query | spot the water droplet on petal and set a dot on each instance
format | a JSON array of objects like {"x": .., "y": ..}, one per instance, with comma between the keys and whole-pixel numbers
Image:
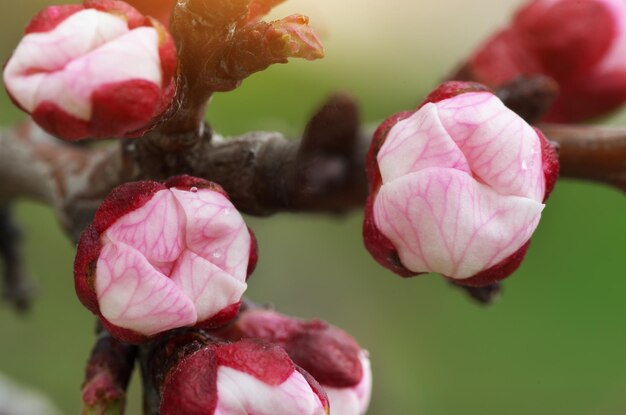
[
  {"x": 227, "y": 212},
  {"x": 194, "y": 189},
  {"x": 218, "y": 253},
  {"x": 524, "y": 165}
]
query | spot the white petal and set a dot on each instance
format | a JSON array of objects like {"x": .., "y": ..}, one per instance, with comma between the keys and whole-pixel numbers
[
  {"x": 500, "y": 147},
  {"x": 210, "y": 288},
  {"x": 442, "y": 220},
  {"x": 133, "y": 295},
  {"x": 216, "y": 231},
  {"x": 156, "y": 229},
  {"x": 416, "y": 143},
  {"x": 355, "y": 400},
  {"x": 242, "y": 394}
]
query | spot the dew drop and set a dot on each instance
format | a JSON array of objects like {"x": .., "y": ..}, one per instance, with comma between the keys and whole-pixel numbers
[
  {"x": 524, "y": 165},
  {"x": 194, "y": 189},
  {"x": 218, "y": 253},
  {"x": 227, "y": 212}
]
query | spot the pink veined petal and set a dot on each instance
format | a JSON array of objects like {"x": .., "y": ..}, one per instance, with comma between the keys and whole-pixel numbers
[
  {"x": 53, "y": 50},
  {"x": 131, "y": 56},
  {"x": 87, "y": 50},
  {"x": 355, "y": 400},
  {"x": 156, "y": 229},
  {"x": 416, "y": 143},
  {"x": 133, "y": 295},
  {"x": 442, "y": 220},
  {"x": 501, "y": 148},
  {"x": 215, "y": 230},
  {"x": 206, "y": 285},
  {"x": 241, "y": 394}
]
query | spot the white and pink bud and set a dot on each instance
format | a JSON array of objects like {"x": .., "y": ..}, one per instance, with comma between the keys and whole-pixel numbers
[
  {"x": 579, "y": 44},
  {"x": 457, "y": 187},
  {"x": 205, "y": 377},
  {"x": 162, "y": 256},
  {"x": 99, "y": 70},
  {"x": 329, "y": 354}
]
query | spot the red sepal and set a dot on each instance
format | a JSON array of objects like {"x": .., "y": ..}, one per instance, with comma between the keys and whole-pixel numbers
[
  {"x": 50, "y": 17},
  {"x": 125, "y": 335},
  {"x": 254, "y": 254},
  {"x": 57, "y": 122},
  {"x": 330, "y": 355},
  {"x": 550, "y": 162},
  {"x": 380, "y": 135},
  {"x": 85, "y": 262},
  {"x": 123, "y": 200},
  {"x": 122, "y": 107},
  {"x": 264, "y": 361},
  {"x": 223, "y": 317},
  {"x": 497, "y": 272},
  {"x": 379, "y": 246},
  {"x": 452, "y": 89},
  {"x": 190, "y": 387},
  {"x": 133, "y": 18}
]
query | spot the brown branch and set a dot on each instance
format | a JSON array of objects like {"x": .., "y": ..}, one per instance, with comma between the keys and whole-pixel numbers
[
  {"x": 265, "y": 174},
  {"x": 590, "y": 153},
  {"x": 73, "y": 180},
  {"x": 529, "y": 96},
  {"x": 18, "y": 289}
]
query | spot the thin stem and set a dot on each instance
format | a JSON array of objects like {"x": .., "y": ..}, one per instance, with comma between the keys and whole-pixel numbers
[
  {"x": 18, "y": 289},
  {"x": 107, "y": 375}
]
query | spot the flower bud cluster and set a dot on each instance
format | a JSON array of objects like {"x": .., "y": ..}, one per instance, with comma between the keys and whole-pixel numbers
[
  {"x": 329, "y": 354},
  {"x": 165, "y": 256}
]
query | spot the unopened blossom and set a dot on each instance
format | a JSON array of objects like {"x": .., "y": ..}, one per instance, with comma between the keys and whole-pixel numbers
[
  {"x": 579, "y": 44},
  {"x": 457, "y": 187},
  {"x": 329, "y": 354},
  {"x": 205, "y": 377},
  {"x": 161, "y": 256},
  {"x": 100, "y": 69}
]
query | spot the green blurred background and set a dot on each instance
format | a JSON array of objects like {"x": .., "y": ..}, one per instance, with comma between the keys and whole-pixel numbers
[{"x": 554, "y": 344}]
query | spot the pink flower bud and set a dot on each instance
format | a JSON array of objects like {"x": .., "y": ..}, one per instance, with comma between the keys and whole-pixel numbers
[
  {"x": 456, "y": 187},
  {"x": 245, "y": 377},
  {"x": 580, "y": 44},
  {"x": 329, "y": 354},
  {"x": 162, "y": 256},
  {"x": 99, "y": 70}
]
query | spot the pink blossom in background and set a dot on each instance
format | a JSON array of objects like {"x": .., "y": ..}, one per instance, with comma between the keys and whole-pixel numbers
[
  {"x": 457, "y": 187},
  {"x": 99, "y": 70},
  {"x": 329, "y": 354},
  {"x": 162, "y": 256},
  {"x": 244, "y": 377},
  {"x": 579, "y": 44}
]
